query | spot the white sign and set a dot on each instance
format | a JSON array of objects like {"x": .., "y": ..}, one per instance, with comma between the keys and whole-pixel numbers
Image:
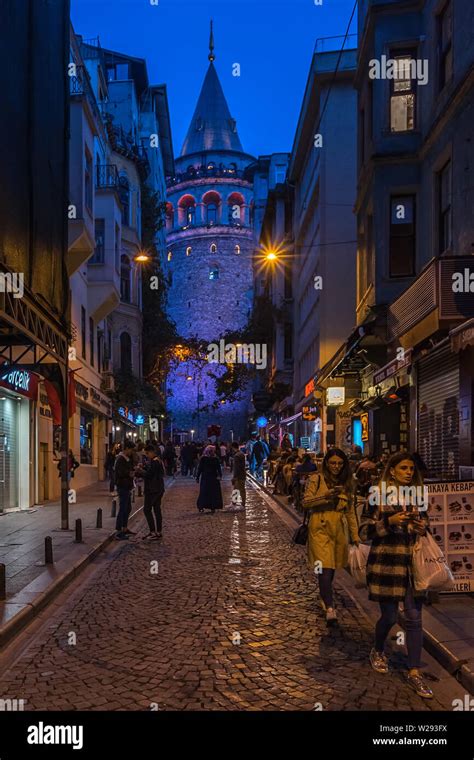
[
  {"x": 451, "y": 513},
  {"x": 335, "y": 396}
]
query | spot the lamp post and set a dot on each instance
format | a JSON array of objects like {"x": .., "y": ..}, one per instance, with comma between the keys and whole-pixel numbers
[{"x": 192, "y": 434}]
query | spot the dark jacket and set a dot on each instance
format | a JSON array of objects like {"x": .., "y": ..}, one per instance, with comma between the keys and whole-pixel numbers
[
  {"x": 238, "y": 467},
  {"x": 208, "y": 474},
  {"x": 389, "y": 571},
  {"x": 153, "y": 475},
  {"x": 123, "y": 472}
]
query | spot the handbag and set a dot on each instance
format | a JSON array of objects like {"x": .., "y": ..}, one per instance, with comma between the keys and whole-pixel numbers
[
  {"x": 300, "y": 536},
  {"x": 358, "y": 556},
  {"x": 431, "y": 572}
]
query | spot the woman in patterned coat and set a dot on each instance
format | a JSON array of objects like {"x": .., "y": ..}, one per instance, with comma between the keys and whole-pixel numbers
[{"x": 393, "y": 524}]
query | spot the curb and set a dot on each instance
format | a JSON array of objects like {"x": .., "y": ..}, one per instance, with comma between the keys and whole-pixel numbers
[
  {"x": 447, "y": 659},
  {"x": 33, "y": 608}
]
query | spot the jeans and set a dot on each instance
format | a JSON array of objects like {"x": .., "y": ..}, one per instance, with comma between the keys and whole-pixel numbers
[
  {"x": 413, "y": 628},
  {"x": 152, "y": 506},
  {"x": 326, "y": 578},
  {"x": 125, "y": 507},
  {"x": 111, "y": 481}
]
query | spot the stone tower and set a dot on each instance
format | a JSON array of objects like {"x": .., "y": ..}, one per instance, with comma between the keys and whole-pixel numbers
[{"x": 210, "y": 243}]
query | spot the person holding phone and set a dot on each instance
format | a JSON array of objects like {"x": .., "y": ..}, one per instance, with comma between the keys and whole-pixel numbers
[
  {"x": 332, "y": 523},
  {"x": 393, "y": 528}
]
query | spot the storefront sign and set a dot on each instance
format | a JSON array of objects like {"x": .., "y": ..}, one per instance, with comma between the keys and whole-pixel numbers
[
  {"x": 364, "y": 420},
  {"x": 305, "y": 442},
  {"x": 309, "y": 387},
  {"x": 391, "y": 369},
  {"x": 335, "y": 396},
  {"x": 451, "y": 513},
  {"x": 310, "y": 412},
  {"x": 92, "y": 396},
  {"x": 21, "y": 381}
]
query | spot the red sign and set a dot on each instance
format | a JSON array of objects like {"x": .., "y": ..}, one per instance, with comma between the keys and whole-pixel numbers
[
  {"x": 309, "y": 387},
  {"x": 20, "y": 381}
]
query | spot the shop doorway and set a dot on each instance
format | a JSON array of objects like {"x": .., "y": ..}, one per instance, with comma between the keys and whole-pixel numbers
[
  {"x": 8, "y": 453},
  {"x": 43, "y": 494}
]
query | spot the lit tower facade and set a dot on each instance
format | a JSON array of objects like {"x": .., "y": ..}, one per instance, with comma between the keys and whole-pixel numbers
[{"x": 210, "y": 243}]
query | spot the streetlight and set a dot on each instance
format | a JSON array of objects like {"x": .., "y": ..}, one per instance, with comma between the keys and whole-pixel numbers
[{"x": 192, "y": 434}]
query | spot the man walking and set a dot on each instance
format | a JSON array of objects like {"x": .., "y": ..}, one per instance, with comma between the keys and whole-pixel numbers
[
  {"x": 124, "y": 467},
  {"x": 238, "y": 473},
  {"x": 153, "y": 474}
]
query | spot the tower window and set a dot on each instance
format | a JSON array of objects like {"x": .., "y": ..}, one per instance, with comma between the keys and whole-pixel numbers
[
  {"x": 188, "y": 250},
  {"x": 211, "y": 213},
  {"x": 237, "y": 249},
  {"x": 213, "y": 248},
  {"x": 170, "y": 255},
  {"x": 214, "y": 273}
]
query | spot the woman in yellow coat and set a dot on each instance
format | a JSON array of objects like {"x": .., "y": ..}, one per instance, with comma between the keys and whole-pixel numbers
[{"x": 332, "y": 523}]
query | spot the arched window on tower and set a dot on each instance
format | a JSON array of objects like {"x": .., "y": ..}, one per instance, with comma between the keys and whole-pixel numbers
[
  {"x": 236, "y": 209},
  {"x": 125, "y": 279},
  {"x": 125, "y": 352},
  {"x": 237, "y": 249},
  {"x": 213, "y": 248},
  {"x": 186, "y": 210},
  {"x": 213, "y": 272},
  {"x": 170, "y": 255},
  {"x": 211, "y": 201},
  {"x": 188, "y": 250}
]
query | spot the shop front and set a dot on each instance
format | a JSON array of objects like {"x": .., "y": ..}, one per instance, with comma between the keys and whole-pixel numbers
[
  {"x": 89, "y": 433},
  {"x": 18, "y": 393}
]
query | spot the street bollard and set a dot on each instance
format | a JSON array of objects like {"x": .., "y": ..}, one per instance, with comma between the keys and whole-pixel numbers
[
  {"x": 114, "y": 508},
  {"x": 140, "y": 490},
  {"x": 48, "y": 550},
  {"x": 78, "y": 539},
  {"x": 99, "y": 518},
  {"x": 3, "y": 582}
]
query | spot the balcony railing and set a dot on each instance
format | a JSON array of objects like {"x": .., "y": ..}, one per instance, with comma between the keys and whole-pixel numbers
[
  {"x": 202, "y": 172},
  {"x": 80, "y": 85},
  {"x": 107, "y": 177}
]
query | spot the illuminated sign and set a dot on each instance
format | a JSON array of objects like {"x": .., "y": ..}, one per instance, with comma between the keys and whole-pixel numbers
[
  {"x": 21, "y": 381},
  {"x": 364, "y": 419},
  {"x": 335, "y": 396},
  {"x": 262, "y": 422},
  {"x": 310, "y": 412},
  {"x": 309, "y": 387}
]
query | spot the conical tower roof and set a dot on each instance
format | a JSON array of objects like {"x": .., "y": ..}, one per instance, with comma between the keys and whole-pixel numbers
[{"x": 212, "y": 127}]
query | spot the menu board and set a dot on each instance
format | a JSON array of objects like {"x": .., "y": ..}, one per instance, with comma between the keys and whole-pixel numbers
[{"x": 451, "y": 513}]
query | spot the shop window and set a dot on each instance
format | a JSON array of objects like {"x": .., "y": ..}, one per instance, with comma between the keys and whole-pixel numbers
[
  {"x": 86, "y": 437},
  {"x": 402, "y": 236},
  {"x": 444, "y": 208},
  {"x": 445, "y": 45},
  {"x": 402, "y": 95}
]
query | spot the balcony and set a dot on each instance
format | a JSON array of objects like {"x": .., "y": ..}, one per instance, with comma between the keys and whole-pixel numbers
[
  {"x": 430, "y": 302},
  {"x": 80, "y": 86},
  {"x": 107, "y": 177},
  {"x": 202, "y": 172}
]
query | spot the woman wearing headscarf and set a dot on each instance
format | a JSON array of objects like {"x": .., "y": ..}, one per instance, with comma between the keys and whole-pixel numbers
[
  {"x": 332, "y": 523},
  {"x": 209, "y": 474}
]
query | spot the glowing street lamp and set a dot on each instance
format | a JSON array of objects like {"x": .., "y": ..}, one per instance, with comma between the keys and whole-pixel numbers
[
  {"x": 142, "y": 257},
  {"x": 192, "y": 434}
]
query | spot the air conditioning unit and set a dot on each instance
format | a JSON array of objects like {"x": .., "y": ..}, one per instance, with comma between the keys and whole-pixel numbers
[{"x": 108, "y": 382}]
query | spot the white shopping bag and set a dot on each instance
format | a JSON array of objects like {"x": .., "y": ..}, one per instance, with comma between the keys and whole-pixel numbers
[
  {"x": 358, "y": 556},
  {"x": 431, "y": 572}
]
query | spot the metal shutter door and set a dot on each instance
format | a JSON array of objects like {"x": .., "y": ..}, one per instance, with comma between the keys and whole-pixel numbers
[{"x": 438, "y": 413}]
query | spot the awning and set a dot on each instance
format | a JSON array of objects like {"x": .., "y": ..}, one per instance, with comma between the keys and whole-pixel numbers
[
  {"x": 289, "y": 420},
  {"x": 462, "y": 336}
]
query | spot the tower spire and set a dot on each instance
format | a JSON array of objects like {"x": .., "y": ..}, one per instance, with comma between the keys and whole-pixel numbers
[{"x": 211, "y": 55}]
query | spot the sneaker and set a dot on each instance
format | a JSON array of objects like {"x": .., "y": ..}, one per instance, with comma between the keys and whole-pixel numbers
[
  {"x": 121, "y": 537},
  {"x": 417, "y": 684},
  {"x": 331, "y": 616},
  {"x": 156, "y": 537},
  {"x": 379, "y": 661},
  {"x": 148, "y": 537}
]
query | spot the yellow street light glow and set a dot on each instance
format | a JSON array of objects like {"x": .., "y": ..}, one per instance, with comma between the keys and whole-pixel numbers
[
  {"x": 189, "y": 377},
  {"x": 142, "y": 258},
  {"x": 271, "y": 256}
]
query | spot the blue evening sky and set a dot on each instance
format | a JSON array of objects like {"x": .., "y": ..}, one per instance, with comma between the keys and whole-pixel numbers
[{"x": 272, "y": 40}]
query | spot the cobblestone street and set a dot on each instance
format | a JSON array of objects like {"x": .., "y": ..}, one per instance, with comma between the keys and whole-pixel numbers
[{"x": 128, "y": 638}]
